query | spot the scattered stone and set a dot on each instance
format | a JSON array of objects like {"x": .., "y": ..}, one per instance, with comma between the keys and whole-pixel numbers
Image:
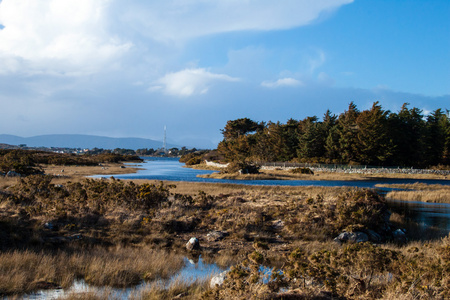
[
  {"x": 216, "y": 235},
  {"x": 399, "y": 235},
  {"x": 373, "y": 236},
  {"x": 13, "y": 174},
  {"x": 353, "y": 237},
  {"x": 218, "y": 279},
  {"x": 193, "y": 244},
  {"x": 49, "y": 225},
  {"x": 278, "y": 224}
]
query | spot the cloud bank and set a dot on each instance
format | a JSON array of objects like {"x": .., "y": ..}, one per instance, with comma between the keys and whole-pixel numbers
[
  {"x": 126, "y": 68},
  {"x": 79, "y": 37},
  {"x": 282, "y": 82},
  {"x": 189, "y": 82}
]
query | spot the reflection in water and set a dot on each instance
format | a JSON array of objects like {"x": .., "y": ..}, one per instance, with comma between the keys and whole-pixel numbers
[
  {"x": 426, "y": 214},
  {"x": 172, "y": 170},
  {"x": 194, "y": 269}
]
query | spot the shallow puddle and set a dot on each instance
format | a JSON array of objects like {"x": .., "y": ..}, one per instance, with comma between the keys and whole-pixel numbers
[{"x": 191, "y": 272}]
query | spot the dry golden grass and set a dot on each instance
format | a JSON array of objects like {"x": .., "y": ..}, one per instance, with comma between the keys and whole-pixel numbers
[
  {"x": 434, "y": 193},
  {"x": 192, "y": 188},
  {"x": 417, "y": 186},
  {"x": 436, "y": 196},
  {"x": 21, "y": 271},
  {"x": 246, "y": 212},
  {"x": 441, "y": 196},
  {"x": 283, "y": 174},
  {"x": 74, "y": 173},
  {"x": 287, "y": 175},
  {"x": 6, "y": 182},
  {"x": 178, "y": 289}
]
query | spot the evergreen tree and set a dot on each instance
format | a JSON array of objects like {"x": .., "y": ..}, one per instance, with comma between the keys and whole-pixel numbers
[
  {"x": 311, "y": 141},
  {"x": 435, "y": 138},
  {"x": 347, "y": 130},
  {"x": 374, "y": 143},
  {"x": 407, "y": 129}
]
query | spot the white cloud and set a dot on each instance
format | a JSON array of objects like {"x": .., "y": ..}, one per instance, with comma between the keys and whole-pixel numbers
[
  {"x": 284, "y": 82},
  {"x": 174, "y": 19},
  {"x": 56, "y": 37},
  {"x": 188, "y": 82},
  {"x": 79, "y": 37}
]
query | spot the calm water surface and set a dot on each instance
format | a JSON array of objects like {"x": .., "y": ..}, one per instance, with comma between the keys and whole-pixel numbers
[
  {"x": 427, "y": 214},
  {"x": 193, "y": 270},
  {"x": 171, "y": 169}
]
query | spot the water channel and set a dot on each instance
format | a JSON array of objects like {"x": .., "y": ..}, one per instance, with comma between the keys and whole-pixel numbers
[
  {"x": 426, "y": 214},
  {"x": 170, "y": 169}
]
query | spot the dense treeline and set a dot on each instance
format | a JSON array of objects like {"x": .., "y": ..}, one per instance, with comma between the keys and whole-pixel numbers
[{"x": 371, "y": 137}]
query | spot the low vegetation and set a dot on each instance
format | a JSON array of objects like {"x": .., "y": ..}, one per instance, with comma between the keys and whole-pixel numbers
[
  {"x": 434, "y": 193},
  {"x": 28, "y": 162},
  {"x": 117, "y": 233}
]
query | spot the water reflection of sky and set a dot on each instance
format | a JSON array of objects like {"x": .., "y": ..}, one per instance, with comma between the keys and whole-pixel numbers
[
  {"x": 193, "y": 270},
  {"x": 427, "y": 214},
  {"x": 172, "y": 170}
]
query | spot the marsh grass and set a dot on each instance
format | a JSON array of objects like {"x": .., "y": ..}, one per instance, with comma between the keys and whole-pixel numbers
[
  {"x": 140, "y": 219},
  {"x": 433, "y": 193},
  {"x": 104, "y": 294},
  {"x": 431, "y": 196},
  {"x": 22, "y": 271},
  {"x": 178, "y": 288}
]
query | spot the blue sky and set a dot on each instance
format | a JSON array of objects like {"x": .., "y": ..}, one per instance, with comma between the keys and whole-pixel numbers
[{"x": 126, "y": 69}]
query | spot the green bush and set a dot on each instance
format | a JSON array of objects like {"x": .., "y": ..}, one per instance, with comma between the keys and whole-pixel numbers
[{"x": 302, "y": 171}]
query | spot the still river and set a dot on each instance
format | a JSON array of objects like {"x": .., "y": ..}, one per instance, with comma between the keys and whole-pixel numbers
[{"x": 426, "y": 214}]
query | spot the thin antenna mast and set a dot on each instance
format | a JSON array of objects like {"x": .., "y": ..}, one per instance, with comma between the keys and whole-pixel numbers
[{"x": 164, "y": 142}]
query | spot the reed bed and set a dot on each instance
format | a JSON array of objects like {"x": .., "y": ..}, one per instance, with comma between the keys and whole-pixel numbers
[
  {"x": 416, "y": 186},
  {"x": 431, "y": 196},
  {"x": 178, "y": 289},
  {"x": 26, "y": 271},
  {"x": 137, "y": 231}
]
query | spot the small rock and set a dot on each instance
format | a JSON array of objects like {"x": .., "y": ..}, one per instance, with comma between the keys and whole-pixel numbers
[
  {"x": 373, "y": 236},
  {"x": 218, "y": 279},
  {"x": 399, "y": 235},
  {"x": 49, "y": 225},
  {"x": 353, "y": 237},
  {"x": 13, "y": 174},
  {"x": 193, "y": 244},
  {"x": 278, "y": 224}
]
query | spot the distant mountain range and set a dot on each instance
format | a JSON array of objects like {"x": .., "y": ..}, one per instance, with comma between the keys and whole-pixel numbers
[{"x": 82, "y": 141}]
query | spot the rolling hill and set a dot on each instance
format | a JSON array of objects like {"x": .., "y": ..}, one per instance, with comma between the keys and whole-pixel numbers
[{"x": 82, "y": 141}]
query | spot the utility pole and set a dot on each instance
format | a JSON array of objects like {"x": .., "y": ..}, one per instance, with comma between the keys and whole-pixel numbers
[{"x": 165, "y": 141}]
